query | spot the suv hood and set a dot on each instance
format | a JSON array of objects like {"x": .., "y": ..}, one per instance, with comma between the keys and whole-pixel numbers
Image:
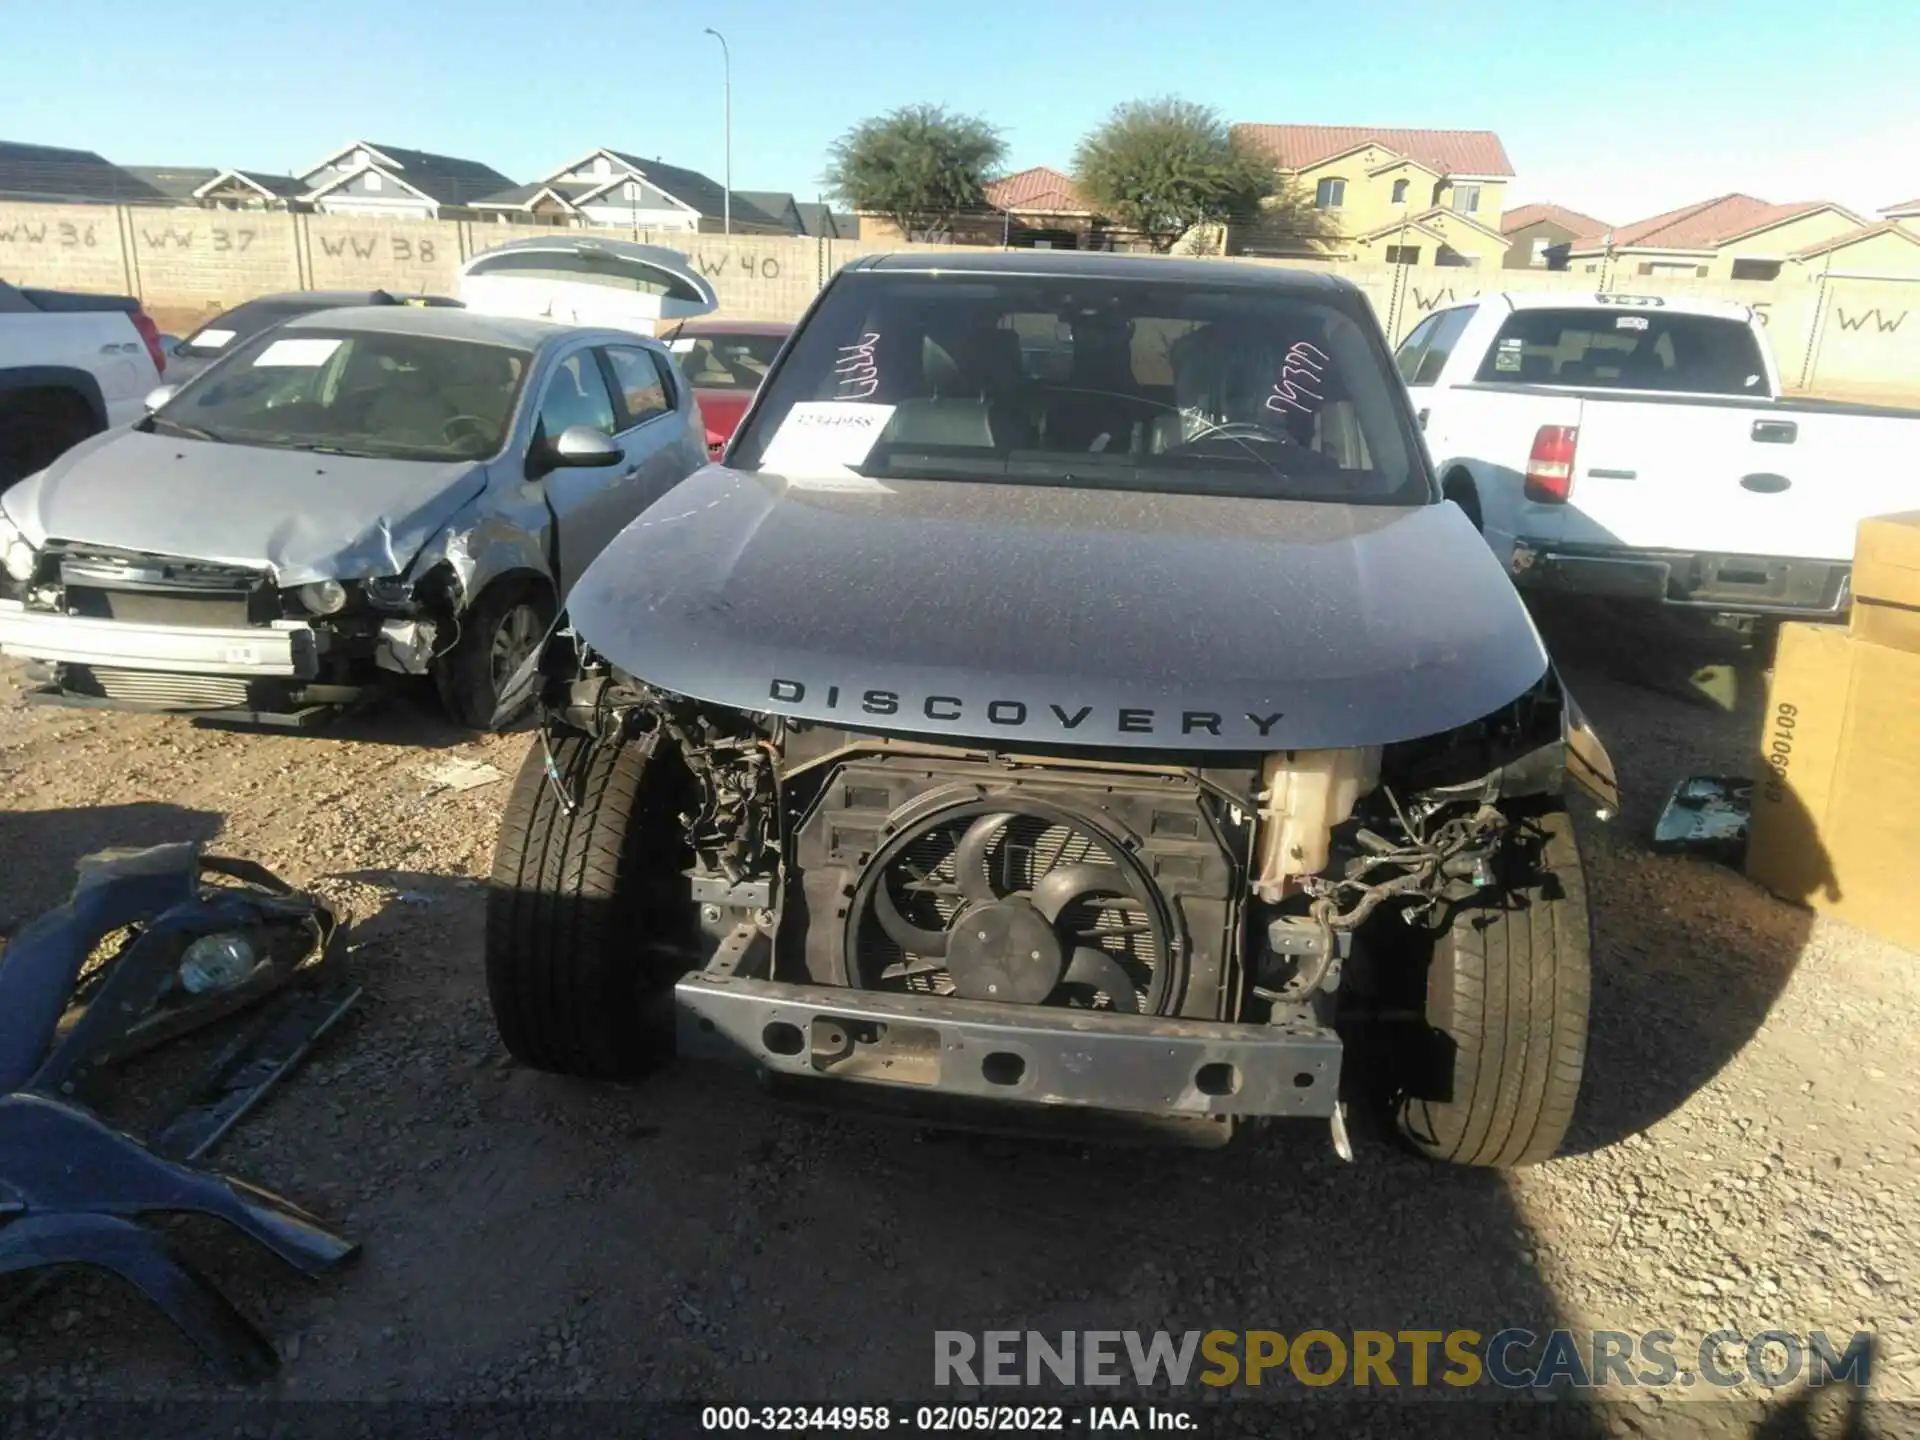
[
  {"x": 303, "y": 516},
  {"x": 1036, "y": 615}
]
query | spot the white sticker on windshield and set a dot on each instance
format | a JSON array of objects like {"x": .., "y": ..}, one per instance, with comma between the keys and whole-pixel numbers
[
  {"x": 682, "y": 347},
  {"x": 212, "y": 339},
  {"x": 844, "y": 482},
  {"x": 297, "y": 352},
  {"x": 825, "y": 436},
  {"x": 1630, "y": 322}
]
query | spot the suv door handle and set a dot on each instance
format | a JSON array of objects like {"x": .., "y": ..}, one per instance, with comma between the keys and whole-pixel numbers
[{"x": 1775, "y": 432}]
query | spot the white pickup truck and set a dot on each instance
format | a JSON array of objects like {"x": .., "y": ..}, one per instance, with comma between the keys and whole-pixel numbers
[
  {"x": 71, "y": 365},
  {"x": 1638, "y": 447}
]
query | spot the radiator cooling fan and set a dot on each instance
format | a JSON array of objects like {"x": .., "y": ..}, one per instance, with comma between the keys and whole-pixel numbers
[{"x": 1017, "y": 901}]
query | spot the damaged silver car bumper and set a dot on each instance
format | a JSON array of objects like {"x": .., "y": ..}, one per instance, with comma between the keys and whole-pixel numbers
[
  {"x": 1035, "y": 1055},
  {"x": 286, "y": 649}
]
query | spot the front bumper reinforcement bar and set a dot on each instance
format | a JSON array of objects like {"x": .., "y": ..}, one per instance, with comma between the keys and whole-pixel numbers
[{"x": 1143, "y": 1064}]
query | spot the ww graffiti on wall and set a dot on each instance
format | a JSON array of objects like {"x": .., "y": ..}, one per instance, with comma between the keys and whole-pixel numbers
[
  {"x": 403, "y": 249},
  {"x": 723, "y": 264},
  {"x": 221, "y": 239},
  {"x": 1884, "y": 323},
  {"x": 60, "y": 234}
]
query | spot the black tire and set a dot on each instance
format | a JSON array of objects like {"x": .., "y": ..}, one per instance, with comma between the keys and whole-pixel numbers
[
  {"x": 583, "y": 905},
  {"x": 37, "y": 427},
  {"x": 1506, "y": 1011},
  {"x": 492, "y": 642},
  {"x": 1459, "y": 488}
]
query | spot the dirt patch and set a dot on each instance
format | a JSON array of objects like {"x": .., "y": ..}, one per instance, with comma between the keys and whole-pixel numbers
[{"x": 1745, "y": 1155}]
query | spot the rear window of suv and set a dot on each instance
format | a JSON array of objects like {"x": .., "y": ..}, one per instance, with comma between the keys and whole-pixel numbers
[
  {"x": 1626, "y": 349},
  {"x": 1090, "y": 380}
]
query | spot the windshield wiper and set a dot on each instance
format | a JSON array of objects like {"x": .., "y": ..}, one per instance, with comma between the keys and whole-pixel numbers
[
  {"x": 191, "y": 432},
  {"x": 317, "y": 447}
]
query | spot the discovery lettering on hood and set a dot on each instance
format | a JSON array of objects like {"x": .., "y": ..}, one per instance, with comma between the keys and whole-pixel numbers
[{"x": 1017, "y": 714}]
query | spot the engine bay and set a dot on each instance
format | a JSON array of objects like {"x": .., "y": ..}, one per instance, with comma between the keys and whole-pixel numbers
[{"x": 1154, "y": 885}]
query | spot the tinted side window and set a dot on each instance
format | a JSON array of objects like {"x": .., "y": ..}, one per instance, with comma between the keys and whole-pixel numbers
[
  {"x": 1407, "y": 358},
  {"x": 577, "y": 395},
  {"x": 1446, "y": 334},
  {"x": 645, "y": 391}
]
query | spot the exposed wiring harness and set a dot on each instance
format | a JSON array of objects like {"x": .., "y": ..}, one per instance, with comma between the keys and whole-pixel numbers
[{"x": 1457, "y": 849}]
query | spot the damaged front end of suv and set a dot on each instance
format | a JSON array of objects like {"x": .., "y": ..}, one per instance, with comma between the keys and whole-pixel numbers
[{"x": 1162, "y": 795}]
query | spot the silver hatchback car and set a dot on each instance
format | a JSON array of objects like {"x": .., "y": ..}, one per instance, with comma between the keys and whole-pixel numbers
[{"x": 351, "y": 496}]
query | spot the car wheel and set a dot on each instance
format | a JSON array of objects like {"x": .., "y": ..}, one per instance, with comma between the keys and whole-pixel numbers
[
  {"x": 37, "y": 427},
  {"x": 1507, "y": 988},
  {"x": 589, "y": 918},
  {"x": 1459, "y": 488},
  {"x": 498, "y": 634}
]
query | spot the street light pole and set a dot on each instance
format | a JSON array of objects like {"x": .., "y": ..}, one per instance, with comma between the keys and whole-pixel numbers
[{"x": 726, "y": 61}]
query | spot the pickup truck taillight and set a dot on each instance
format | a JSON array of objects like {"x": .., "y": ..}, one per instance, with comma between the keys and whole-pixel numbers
[
  {"x": 1550, "y": 466},
  {"x": 150, "y": 333}
]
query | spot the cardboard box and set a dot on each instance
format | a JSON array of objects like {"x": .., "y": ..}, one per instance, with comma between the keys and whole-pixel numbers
[
  {"x": 1886, "y": 581},
  {"x": 1836, "y": 810}
]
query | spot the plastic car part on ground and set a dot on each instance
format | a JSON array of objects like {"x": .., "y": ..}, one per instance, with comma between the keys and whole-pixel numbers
[
  {"x": 73, "y": 1189},
  {"x": 1706, "y": 815}
]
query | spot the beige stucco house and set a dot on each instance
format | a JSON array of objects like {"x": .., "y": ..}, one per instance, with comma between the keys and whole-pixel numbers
[
  {"x": 1886, "y": 249},
  {"x": 1420, "y": 197},
  {"x": 1730, "y": 237},
  {"x": 1542, "y": 233}
]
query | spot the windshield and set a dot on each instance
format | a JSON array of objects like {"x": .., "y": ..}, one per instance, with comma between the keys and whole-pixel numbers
[
  {"x": 1642, "y": 348},
  {"x": 726, "y": 362},
  {"x": 355, "y": 392},
  {"x": 1089, "y": 381}
]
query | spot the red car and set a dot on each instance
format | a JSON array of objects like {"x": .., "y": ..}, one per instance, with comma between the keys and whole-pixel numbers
[{"x": 725, "y": 361}]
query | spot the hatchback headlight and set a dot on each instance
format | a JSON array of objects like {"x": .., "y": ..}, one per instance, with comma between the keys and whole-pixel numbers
[
  {"x": 322, "y": 597},
  {"x": 17, "y": 557}
]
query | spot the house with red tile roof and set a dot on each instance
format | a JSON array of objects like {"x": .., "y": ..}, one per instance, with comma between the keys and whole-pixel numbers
[
  {"x": 1729, "y": 237},
  {"x": 1905, "y": 210},
  {"x": 1044, "y": 209},
  {"x": 1540, "y": 235},
  {"x": 1420, "y": 197}
]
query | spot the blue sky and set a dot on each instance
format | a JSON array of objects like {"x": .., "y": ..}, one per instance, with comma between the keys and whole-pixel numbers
[{"x": 1631, "y": 108}]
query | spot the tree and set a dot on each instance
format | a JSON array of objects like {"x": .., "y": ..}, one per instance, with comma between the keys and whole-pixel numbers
[
  {"x": 919, "y": 165},
  {"x": 1161, "y": 167}
]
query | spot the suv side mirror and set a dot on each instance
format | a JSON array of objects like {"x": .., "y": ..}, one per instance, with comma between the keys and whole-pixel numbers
[{"x": 583, "y": 447}]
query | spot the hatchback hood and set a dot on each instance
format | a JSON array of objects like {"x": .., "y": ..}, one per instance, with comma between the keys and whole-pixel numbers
[
  {"x": 1035, "y": 615},
  {"x": 304, "y": 516}
]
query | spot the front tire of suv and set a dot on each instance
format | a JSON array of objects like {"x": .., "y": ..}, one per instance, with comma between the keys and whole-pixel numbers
[
  {"x": 586, "y": 908},
  {"x": 1506, "y": 1011}
]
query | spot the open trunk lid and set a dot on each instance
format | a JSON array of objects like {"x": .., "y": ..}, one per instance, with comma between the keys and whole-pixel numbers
[{"x": 585, "y": 280}]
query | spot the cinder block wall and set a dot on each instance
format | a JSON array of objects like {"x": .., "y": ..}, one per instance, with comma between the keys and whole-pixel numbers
[{"x": 1857, "y": 338}]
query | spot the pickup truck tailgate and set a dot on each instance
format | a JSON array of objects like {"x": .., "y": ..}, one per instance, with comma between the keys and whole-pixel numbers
[{"x": 1734, "y": 478}]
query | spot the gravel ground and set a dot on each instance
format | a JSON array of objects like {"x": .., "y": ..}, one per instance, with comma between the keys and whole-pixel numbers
[{"x": 1745, "y": 1156}]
